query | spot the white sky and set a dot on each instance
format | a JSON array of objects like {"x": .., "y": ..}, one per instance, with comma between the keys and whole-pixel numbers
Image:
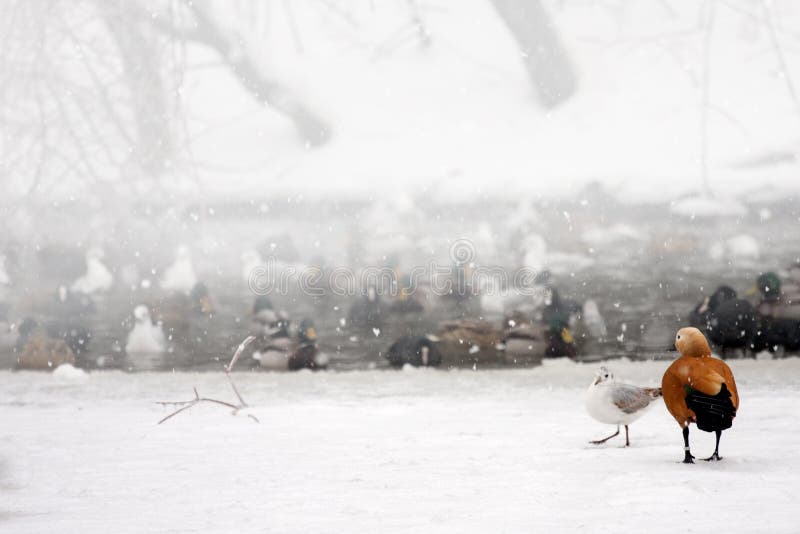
[{"x": 460, "y": 118}]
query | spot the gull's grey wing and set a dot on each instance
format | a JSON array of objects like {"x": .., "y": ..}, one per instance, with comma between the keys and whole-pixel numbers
[{"x": 630, "y": 399}]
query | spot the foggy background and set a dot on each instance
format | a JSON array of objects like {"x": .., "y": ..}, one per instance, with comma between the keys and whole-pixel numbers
[{"x": 643, "y": 152}]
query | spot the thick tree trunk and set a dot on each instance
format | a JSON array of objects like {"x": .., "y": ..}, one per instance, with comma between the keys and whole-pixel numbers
[
  {"x": 313, "y": 129},
  {"x": 141, "y": 61},
  {"x": 543, "y": 54}
]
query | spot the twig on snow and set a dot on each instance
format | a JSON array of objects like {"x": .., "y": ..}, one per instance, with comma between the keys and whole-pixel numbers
[{"x": 185, "y": 405}]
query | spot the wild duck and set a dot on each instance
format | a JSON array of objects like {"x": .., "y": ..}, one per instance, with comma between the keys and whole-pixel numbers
[
  {"x": 36, "y": 349},
  {"x": 728, "y": 321},
  {"x": 419, "y": 351},
  {"x": 279, "y": 352},
  {"x": 367, "y": 311},
  {"x": 700, "y": 389},
  {"x": 778, "y": 329}
]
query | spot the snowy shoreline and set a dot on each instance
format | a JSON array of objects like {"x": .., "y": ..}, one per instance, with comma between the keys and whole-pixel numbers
[{"x": 419, "y": 450}]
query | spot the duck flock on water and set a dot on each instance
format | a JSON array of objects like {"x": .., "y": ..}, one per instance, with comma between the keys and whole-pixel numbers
[{"x": 542, "y": 324}]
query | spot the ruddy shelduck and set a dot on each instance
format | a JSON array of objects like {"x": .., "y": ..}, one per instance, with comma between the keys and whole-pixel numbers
[{"x": 700, "y": 389}]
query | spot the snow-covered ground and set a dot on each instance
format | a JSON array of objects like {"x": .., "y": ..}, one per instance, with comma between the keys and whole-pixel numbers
[{"x": 379, "y": 451}]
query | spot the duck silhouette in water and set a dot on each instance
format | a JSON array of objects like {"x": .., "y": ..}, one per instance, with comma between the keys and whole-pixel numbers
[
  {"x": 728, "y": 321},
  {"x": 556, "y": 315}
]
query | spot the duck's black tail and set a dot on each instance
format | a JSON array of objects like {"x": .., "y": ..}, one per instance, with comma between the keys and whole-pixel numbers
[{"x": 713, "y": 412}]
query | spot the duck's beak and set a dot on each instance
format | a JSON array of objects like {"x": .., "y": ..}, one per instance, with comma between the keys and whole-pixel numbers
[
  {"x": 752, "y": 291},
  {"x": 205, "y": 305},
  {"x": 596, "y": 380},
  {"x": 566, "y": 335},
  {"x": 311, "y": 333}
]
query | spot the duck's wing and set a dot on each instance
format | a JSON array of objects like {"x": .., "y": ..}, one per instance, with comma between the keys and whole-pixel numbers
[
  {"x": 630, "y": 399},
  {"x": 722, "y": 369},
  {"x": 674, "y": 393}
]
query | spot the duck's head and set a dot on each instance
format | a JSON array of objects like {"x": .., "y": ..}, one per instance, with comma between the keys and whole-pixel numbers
[
  {"x": 265, "y": 321},
  {"x": 142, "y": 314},
  {"x": 542, "y": 277},
  {"x": 769, "y": 285},
  {"x": 306, "y": 332},
  {"x": 722, "y": 294},
  {"x": 201, "y": 299},
  {"x": 603, "y": 375},
  {"x": 552, "y": 297},
  {"x": 27, "y": 326},
  {"x": 691, "y": 342},
  {"x": 261, "y": 303}
]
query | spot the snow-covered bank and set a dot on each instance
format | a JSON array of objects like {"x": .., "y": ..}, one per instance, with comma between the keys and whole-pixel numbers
[{"x": 370, "y": 451}]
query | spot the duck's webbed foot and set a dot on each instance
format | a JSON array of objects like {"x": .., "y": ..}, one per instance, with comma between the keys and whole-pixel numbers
[{"x": 715, "y": 457}]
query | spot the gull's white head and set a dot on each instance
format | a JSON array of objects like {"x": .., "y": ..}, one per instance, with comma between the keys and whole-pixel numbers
[
  {"x": 94, "y": 253},
  {"x": 141, "y": 313},
  {"x": 182, "y": 253},
  {"x": 603, "y": 375}
]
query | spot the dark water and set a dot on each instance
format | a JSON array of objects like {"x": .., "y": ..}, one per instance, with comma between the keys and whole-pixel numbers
[{"x": 644, "y": 288}]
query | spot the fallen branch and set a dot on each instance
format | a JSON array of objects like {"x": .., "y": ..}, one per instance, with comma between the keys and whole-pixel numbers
[{"x": 185, "y": 405}]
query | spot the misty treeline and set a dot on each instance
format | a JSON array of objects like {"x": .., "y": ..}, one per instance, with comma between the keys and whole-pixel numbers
[{"x": 91, "y": 90}]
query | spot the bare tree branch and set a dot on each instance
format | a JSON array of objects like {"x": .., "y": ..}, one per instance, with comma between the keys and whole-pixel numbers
[
  {"x": 785, "y": 73},
  {"x": 313, "y": 129},
  {"x": 185, "y": 405},
  {"x": 705, "y": 88}
]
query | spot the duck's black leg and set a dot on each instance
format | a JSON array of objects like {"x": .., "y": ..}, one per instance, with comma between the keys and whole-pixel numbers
[
  {"x": 688, "y": 458},
  {"x": 715, "y": 457},
  {"x": 599, "y": 441},
  {"x": 627, "y": 440}
]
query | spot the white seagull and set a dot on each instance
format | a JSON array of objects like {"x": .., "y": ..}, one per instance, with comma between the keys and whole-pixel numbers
[
  {"x": 180, "y": 275},
  {"x": 146, "y": 337},
  {"x": 97, "y": 277},
  {"x": 617, "y": 404}
]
